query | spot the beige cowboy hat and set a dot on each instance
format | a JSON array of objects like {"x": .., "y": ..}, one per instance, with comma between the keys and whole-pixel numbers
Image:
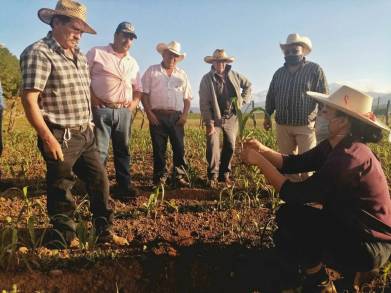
[
  {"x": 219, "y": 55},
  {"x": 305, "y": 42},
  {"x": 68, "y": 8},
  {"x": 174, "y": 47},
  {"x": 352, "y": 102}
]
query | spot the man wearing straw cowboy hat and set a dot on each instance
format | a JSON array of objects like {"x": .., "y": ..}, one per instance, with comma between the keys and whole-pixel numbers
[
  {"x": 217, "y": 89},
  {"x": 115, "y": 92},
  {"x": 166, "y": 98},
  {"x": 295, "y": 111},
  {"x": 56, "y": 99}
]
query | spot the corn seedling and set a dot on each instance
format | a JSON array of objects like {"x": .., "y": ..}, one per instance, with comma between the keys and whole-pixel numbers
[
  {"x": 243, "y": 117},
  {"x": 153, "y": 201}
]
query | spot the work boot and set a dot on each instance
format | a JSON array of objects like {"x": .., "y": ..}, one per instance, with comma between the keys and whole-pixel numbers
[{"x": 318, "y": 282}]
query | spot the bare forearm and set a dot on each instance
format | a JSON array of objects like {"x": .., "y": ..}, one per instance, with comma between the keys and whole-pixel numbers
[
  {"x": 145, "y": 102},
  {"x": 186, "y": 106},
  {"x": 34, "y": 116},
  {"x": 271, "y": 173},
  {"x": 275, "y": 158},
  {"x": 135, "y": 101}
]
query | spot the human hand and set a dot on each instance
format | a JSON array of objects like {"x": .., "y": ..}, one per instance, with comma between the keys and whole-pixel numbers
[
  {"x": 182, "y": 120},
  {"x": 53, "y": 147},
  {"x": 267, "y": 123},
  {"x": 210, "y": 129},
  {"x": 253, "y": 144},
  {"x": 152, "y": 118},
  {"x": 249, "y": 156}
]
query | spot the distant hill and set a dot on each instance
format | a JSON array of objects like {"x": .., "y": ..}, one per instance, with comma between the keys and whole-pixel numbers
[{"x": 380, "y": 98}]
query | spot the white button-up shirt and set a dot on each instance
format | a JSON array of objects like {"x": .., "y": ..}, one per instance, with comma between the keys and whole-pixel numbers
[
  {"x": 166, "y": 92},
  {"x": 112, "y": 77}
]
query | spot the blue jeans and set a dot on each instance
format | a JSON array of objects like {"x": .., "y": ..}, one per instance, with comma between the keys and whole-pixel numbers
[{"x": 114, "y": 124}]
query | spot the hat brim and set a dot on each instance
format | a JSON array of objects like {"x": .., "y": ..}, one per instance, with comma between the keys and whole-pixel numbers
[
  {"x": 324, "y": 99},
  {"x": 307, "y": 49},
  {"x": 211, "y": 59},
  {"x": 46, "y": 15},
  {"x": 162, "y": 47},
  {"x": 129, "y": 33}
]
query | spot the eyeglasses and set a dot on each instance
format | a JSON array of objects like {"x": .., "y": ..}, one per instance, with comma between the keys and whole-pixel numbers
[{"x": 293, "y": 51}]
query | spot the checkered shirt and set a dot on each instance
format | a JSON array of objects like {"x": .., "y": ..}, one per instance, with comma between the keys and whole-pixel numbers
[
  {"x": 287, "y": 94},
  {"x": 64, "y": 83}
]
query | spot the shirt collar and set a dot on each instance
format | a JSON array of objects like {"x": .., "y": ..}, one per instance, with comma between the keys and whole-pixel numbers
[
  {"x": 164, "y": 70},
  {"x": 111, "y": 50},
  {"x": 54, "y": 45},
  {"x": 226, "y": 71}
]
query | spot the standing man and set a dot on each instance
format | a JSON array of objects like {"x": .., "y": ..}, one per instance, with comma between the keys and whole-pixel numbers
[
  {"x": 217, "y": 89},
  {"x": 167, "y": 96},
  {"x": 115, "y": 92},
  {"x": 56, "y": 99},
  {"x": 295, "y": 111}
]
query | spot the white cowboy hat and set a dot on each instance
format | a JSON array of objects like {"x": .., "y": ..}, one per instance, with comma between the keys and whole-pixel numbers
[
  {"x": 173, "y": 47},
  {"x": 298, "y": 40},
  {"x": 219, "y": 55},
  {"x": 352, "y": 102},
  {"x": 68, "y": 8}
]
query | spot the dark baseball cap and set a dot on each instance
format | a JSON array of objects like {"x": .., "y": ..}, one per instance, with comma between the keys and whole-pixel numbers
[{"x": 126, "y": 28}]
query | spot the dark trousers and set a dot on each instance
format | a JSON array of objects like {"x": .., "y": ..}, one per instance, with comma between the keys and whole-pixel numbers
[
  {"x": 1, "y": 131},
  {"x": 168, "y": 129},
  {"x": 80, "y": 159},
  {"x": 310, "y": 236},
  {"x": 219, "y": 161}
]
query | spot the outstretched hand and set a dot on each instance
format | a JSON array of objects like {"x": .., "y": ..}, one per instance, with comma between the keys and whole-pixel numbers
[
  {"x": 253, "y": 144},
  {"x": 250, "y": 156}
]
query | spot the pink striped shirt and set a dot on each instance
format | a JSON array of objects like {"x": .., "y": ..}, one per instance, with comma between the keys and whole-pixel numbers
[{"x": 113, "y": 77}]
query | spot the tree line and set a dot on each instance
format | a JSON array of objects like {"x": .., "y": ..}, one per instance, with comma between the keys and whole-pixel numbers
[{"x": 10, "y": 76}]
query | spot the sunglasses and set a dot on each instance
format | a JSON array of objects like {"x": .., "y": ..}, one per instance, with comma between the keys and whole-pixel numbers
[{"x": 293, "y": 51}]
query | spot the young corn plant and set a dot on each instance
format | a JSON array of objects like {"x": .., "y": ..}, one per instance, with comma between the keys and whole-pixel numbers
[
  {"x": 153, "y": 201},
  {"x": 243, "y": 117}
]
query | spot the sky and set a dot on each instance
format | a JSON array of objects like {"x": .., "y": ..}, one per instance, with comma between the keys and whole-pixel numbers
[{"x": 351, "y": 38}]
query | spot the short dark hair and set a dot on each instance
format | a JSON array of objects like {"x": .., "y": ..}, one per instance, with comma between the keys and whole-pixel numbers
[
  {"x": 63, "y": 19},
  {"x": 361, "y": 131}
]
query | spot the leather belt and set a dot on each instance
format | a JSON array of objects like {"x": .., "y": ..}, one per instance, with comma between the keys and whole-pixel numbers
[
  {"x": 77, "y": 128},
  {"x": 164, "y": 112},
  {"x": 114, "y": 105}
]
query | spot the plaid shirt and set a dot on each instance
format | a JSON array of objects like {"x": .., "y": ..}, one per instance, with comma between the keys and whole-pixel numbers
[
  {"x": 287, "y": 94},
  {"x": 64, "y": 83}
]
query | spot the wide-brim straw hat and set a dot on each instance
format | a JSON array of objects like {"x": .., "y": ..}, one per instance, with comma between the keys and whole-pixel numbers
[
  {"x": 219, "y": 55},
  {"x": 173, "y": 46},
  {"x": 296, "y": 39},
  {"x": 352, "y": 102},
  {"x": 68, "y": 8}
]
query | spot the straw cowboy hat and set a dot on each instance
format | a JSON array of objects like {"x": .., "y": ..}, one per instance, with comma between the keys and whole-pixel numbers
[
  {"x": 298, "y": 40},
  {"x": 352, "y": 102},
  {"x": 219, "y": 55},
  {"x": 173, "y": 47},
  {"x": 68, "y": 8}
]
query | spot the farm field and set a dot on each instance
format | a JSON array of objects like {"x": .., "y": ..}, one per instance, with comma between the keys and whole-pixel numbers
[{"x": 192, "y": 239}]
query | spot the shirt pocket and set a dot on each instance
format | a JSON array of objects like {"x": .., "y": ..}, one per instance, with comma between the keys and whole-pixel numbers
[{"x": 178, "y": 87}]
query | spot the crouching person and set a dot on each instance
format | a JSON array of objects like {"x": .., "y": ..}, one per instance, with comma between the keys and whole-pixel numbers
[
  {"x": 353, "y": 226},
  {"x": 56, "y": 100}
]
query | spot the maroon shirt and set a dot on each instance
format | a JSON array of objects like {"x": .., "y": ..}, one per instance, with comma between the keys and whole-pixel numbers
[{"x": 350, "y": 183}]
